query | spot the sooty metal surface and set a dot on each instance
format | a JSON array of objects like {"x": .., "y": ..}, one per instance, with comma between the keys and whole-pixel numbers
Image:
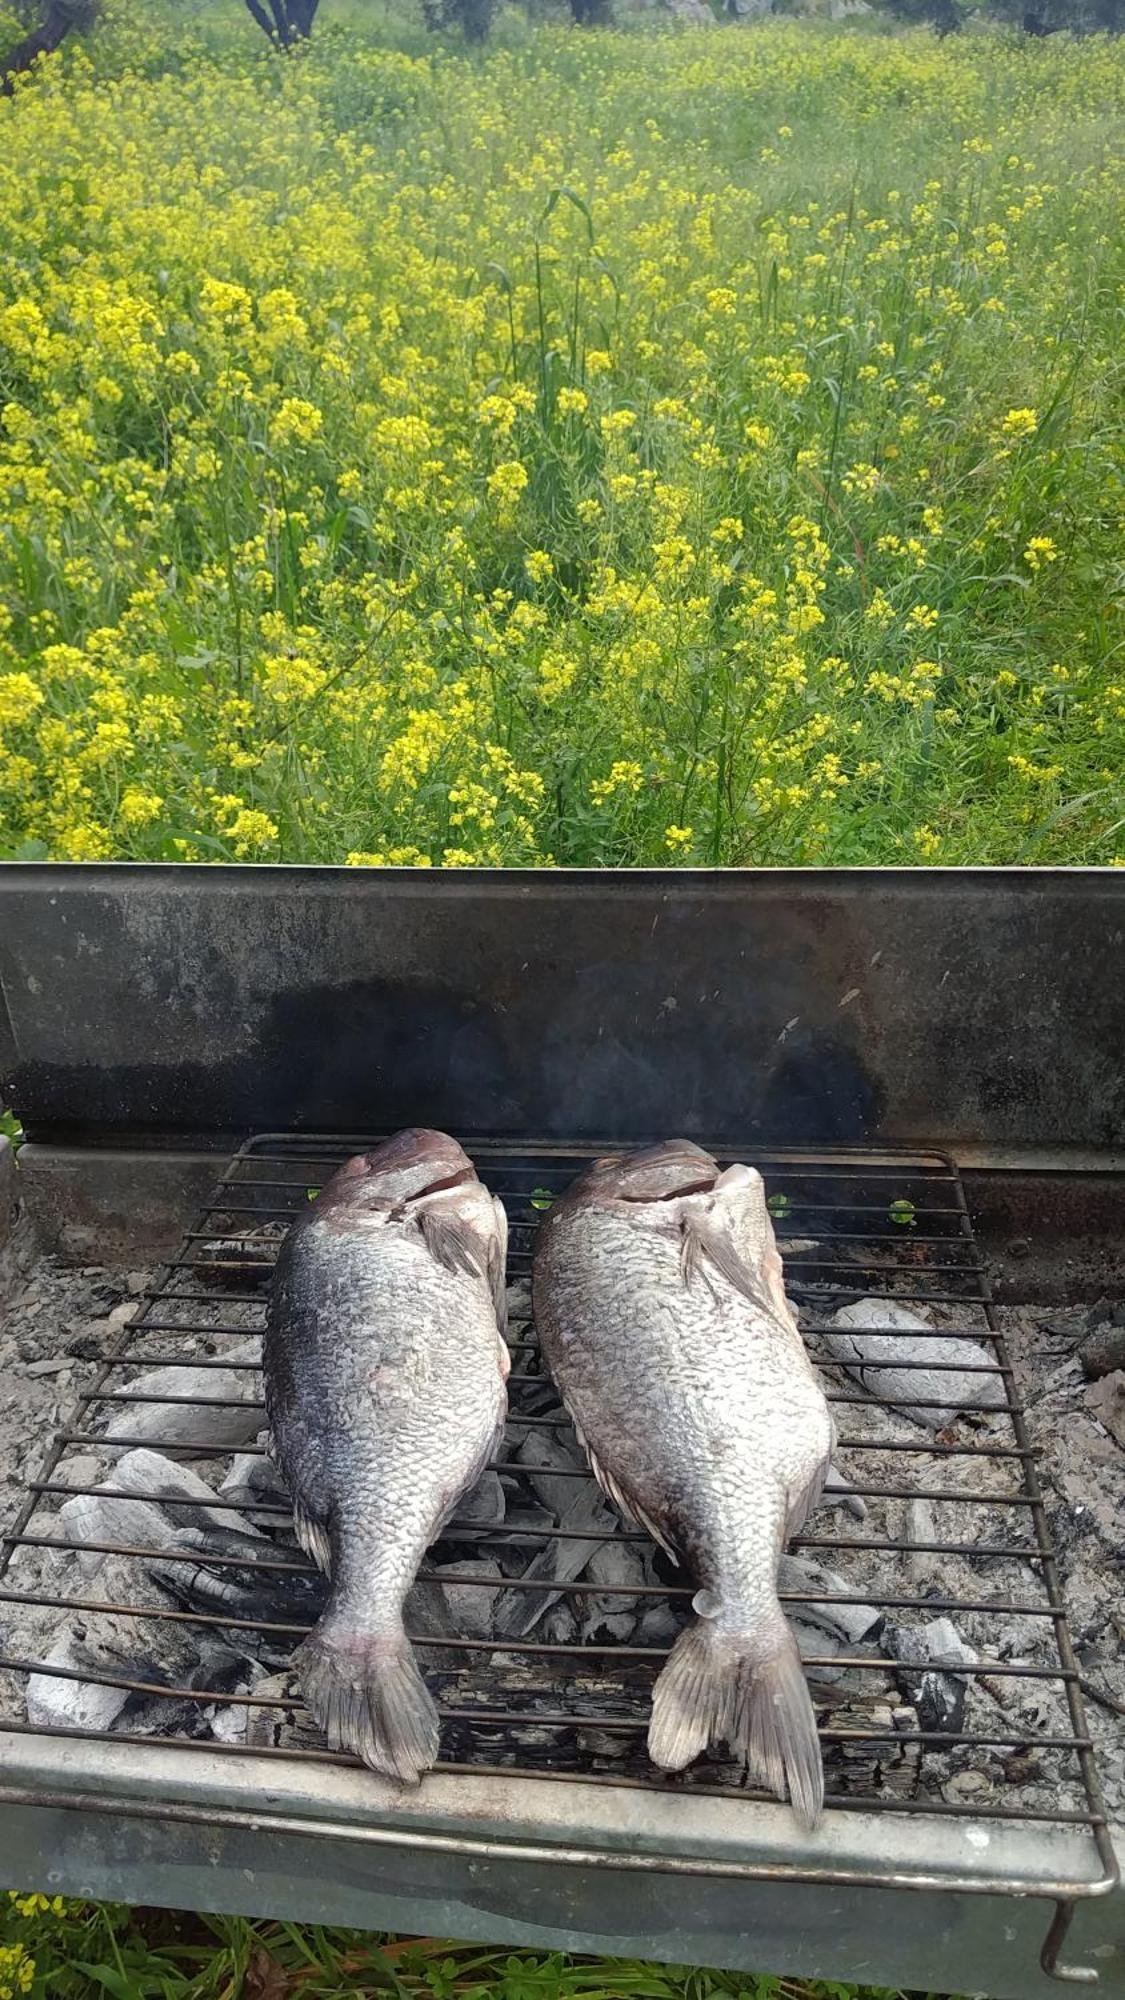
[{"x": 850, "y": 1225}]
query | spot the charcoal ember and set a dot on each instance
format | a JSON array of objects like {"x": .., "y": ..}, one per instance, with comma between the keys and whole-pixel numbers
[
  {"x": 607, "y": 1617},
  {"x": 559, "y": 1626},
  {"x": 560, "y": 1561},
  {"x": 200, "y": 1426},
  {"x": 850, "y": 1623},
  {"x": 277, "y": 1720},
  {"x": 839, "y": 1491},
  {"x": 546, "y": 1458},
  {"x": 815, "y": 1644},
  {"x": 574, "y": 1504},
  {"x": 519, "y": 1301},
  {"x": 236, "y": 1261},
  {"x": 1106, "y": 1401},
  {"x": 537, "y": 1398},
  {"x": 875, "y": 1361},
  {"x": 471, "y": 1605},
  {"x": 123, "y": 1647},
  {"x": 967, "y": 1788},
  {"x": 862, "y": 1763},
  {"x": 143, "y": 1522},
  {"x": 938, "y": 1696},
  {"x": 659, "y": 1624},
  {"x": 254, "y": 1479},
  {"x": 921, "y": 1530},
  {"x": 221, "y": 1573},
  {"x": 523, "y": 1532},
  {"x": 483, "y": 1506}
]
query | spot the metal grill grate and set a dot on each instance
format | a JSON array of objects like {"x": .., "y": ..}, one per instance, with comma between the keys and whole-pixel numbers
[{"x": 849, "y": 1224}]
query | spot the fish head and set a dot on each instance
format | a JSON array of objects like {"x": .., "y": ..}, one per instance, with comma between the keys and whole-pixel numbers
[
  {"x": 662, "y": 1172},
  {"x": 411, "y": 1163}
]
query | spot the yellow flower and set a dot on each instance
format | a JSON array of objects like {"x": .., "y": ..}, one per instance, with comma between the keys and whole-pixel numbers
[
  {"x": 138, "y": 807},
  {"x": 249, "y": 832},
  {"x": 507, "y": 482},
  {"x": 19, "y": 699},
  {"x": 538, "y": 565},
  {"x": 618, "y": 423},
  {"x": 1020, "y": 424},
  {"x": 571, "y": 402},
  {"x": 1040, "y": 549},
  {"x": 677, "y": 839}
]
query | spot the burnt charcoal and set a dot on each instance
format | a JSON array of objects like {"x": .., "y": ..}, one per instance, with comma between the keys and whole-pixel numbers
[
  {"x": 839, "y": 1492},
  {"x": 616, "y": 1566},
  {"x": 965, "y": 1788},
  {"x": 543, "y": 1455},
  {"x": 265, "y": 1727},
  {"x": 814, "y": 1643},
  {"x": 850, "y": 1623},
  {"x": 938, "y": 1697},
  {"x": 874, "y": 1360},
  {"x": 559, "y": 1562},
  {"x": 1105, "y": 1312},
  {"x": 470, "y": 1606},
  {"x": 200, "y": 1426},
  {"x": 254, "y": 1478},
  {"x": 659, "y": 1624},
  {"x": 235, "y": 1585},
  {"x": 559, "y": 1626},
  {"x": 125, "y": 1646},
  {"x": 237, "y": 1261},
  {"x": 484, "y": 1506},
  {"x": 143, "y": 1522},
  {"x": 1106, "y": 1401},
  {"x": 1104, "y": 1352},
  {"x": 84, "y": 1347}
]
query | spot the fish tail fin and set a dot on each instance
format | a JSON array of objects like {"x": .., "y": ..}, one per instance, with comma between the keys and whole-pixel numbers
[
  {"x": 367, "y": 1694},
  {"x": 749, "y": 1691}
]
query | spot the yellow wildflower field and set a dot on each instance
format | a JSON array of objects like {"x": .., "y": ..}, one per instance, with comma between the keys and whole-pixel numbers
[{"x": 640, "y": 448}]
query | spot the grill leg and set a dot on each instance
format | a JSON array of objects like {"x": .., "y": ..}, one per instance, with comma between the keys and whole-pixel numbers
[{"x": 1074, "y": 1975}]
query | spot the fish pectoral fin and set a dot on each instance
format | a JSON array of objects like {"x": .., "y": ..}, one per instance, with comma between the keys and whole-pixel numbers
[
  {"x": 312, "y": 1536},
  {"x": 452, "y": 1241},
  {"x": 705, "y": 1237}
]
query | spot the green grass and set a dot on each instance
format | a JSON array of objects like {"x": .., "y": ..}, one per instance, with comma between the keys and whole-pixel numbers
[{"x": 82, "y": 1951}]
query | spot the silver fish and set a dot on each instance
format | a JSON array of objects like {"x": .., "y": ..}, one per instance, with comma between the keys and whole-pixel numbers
[
  {"x": 662, "y": 1315},
  {"x": 385, "y": 1368}
]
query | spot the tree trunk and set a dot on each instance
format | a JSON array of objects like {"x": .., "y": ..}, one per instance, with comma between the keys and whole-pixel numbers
[
  {"x": 258, "y": 13},
  {"x": 292, "y": 20},
  {"x": 302, "y": 14},
  {"x": 57, "y": 18}
]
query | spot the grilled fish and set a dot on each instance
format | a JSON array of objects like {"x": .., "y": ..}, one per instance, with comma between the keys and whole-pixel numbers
[
  {"x": 662, "y": 1315},
  {"x": 385, "y": 1369}
]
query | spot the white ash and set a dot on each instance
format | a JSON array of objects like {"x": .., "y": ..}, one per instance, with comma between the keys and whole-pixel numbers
[{"x": 875, "y": 1360}]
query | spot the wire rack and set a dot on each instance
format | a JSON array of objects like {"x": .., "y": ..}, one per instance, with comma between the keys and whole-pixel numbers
[{"x": 849, "y": 1225}]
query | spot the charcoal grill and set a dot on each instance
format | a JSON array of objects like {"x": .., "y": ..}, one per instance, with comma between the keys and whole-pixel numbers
[{"x": 543, "y": 1819}]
